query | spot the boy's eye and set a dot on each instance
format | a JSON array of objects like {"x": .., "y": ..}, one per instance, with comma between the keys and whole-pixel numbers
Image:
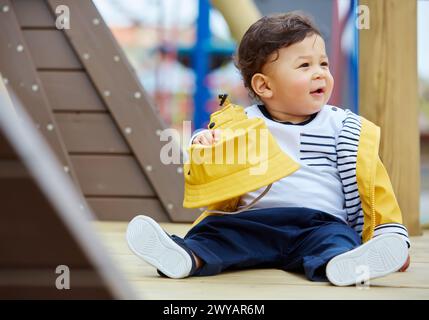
[{"x": 306, "y": 64}]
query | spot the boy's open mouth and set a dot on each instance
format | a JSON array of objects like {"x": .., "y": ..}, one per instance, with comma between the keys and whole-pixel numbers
[{"x": 318, "y": 91}]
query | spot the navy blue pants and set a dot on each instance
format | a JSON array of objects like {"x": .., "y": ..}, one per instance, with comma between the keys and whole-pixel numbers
[{"x": 292, "y": 239}]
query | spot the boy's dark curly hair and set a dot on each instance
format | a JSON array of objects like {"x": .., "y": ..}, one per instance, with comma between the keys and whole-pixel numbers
[{"x": 268, "y": 35}]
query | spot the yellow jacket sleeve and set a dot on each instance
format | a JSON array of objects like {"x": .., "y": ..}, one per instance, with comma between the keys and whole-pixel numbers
[
  {"x": 386, "y": 206},
  {"x": 388, "y": 216}
]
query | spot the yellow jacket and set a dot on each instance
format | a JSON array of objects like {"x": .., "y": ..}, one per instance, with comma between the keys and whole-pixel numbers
[{"x": 381, "y": 212}]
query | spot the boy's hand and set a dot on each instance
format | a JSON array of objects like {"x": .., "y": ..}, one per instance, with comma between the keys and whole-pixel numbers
[
  {"x": 406, "y": 265},
  {"x": 207, "y": 137}
]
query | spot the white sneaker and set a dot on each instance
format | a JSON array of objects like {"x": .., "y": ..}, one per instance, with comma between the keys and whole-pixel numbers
[
  {"x": 378, "y": 257},
  {"x": 151, "y": 243}
]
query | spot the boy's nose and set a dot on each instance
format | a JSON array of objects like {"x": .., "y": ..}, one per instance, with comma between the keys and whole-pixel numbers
[{"x": 317, "y": 75}]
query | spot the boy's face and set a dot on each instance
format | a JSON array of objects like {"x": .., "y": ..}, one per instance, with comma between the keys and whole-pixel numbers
[{"x": 292, "y": 79}]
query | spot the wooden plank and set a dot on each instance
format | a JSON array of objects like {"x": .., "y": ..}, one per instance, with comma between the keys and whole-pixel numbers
[
  {"x": 6, "y": 152},
  {"x": 33, "y": 14},
  {"x": 124, "y": 89},
  {"x": 82, "y": 277},
  {"x": 224, "y": 290},
  {"x": 17, "y": 195},
  {"x": 124, "y": 209},
  {"x": 51, "y": 50},
  {"x": 388, "y": 96},
  {"x": 91, "y": 133},
  {"x": 257, "y": 283},
  {"x": 70, "y": 91},
  {"x": 35, "y": 241},
  {"x": 11, "y": 168},
  {"x": 51, "y": 293},
  {"x": 20, "y": 74},
  {"x": 111, "y": 176},
  {"x": 85, "y": 284},
  {"x": 43, "y": 222}
]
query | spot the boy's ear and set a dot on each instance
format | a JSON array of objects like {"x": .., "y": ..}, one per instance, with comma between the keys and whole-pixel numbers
[{"x": 261, "y": 86}]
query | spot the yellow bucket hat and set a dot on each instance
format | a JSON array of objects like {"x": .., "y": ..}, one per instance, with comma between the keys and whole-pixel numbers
[{"x": 245, "y": 159}]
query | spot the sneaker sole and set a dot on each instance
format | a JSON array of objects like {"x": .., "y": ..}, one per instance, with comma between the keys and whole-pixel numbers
[
  {"x": 150, "y": 242},
  {"x": 380, "y": 256}
]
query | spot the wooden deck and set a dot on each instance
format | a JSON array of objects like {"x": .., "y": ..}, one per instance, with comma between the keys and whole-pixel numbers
[{"x": 262, "y": 283}]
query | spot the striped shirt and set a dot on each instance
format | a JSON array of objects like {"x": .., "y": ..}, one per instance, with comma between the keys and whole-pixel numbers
[
  {"x": 326, "y": 146},
  {"x": 313, "y": 144}
]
